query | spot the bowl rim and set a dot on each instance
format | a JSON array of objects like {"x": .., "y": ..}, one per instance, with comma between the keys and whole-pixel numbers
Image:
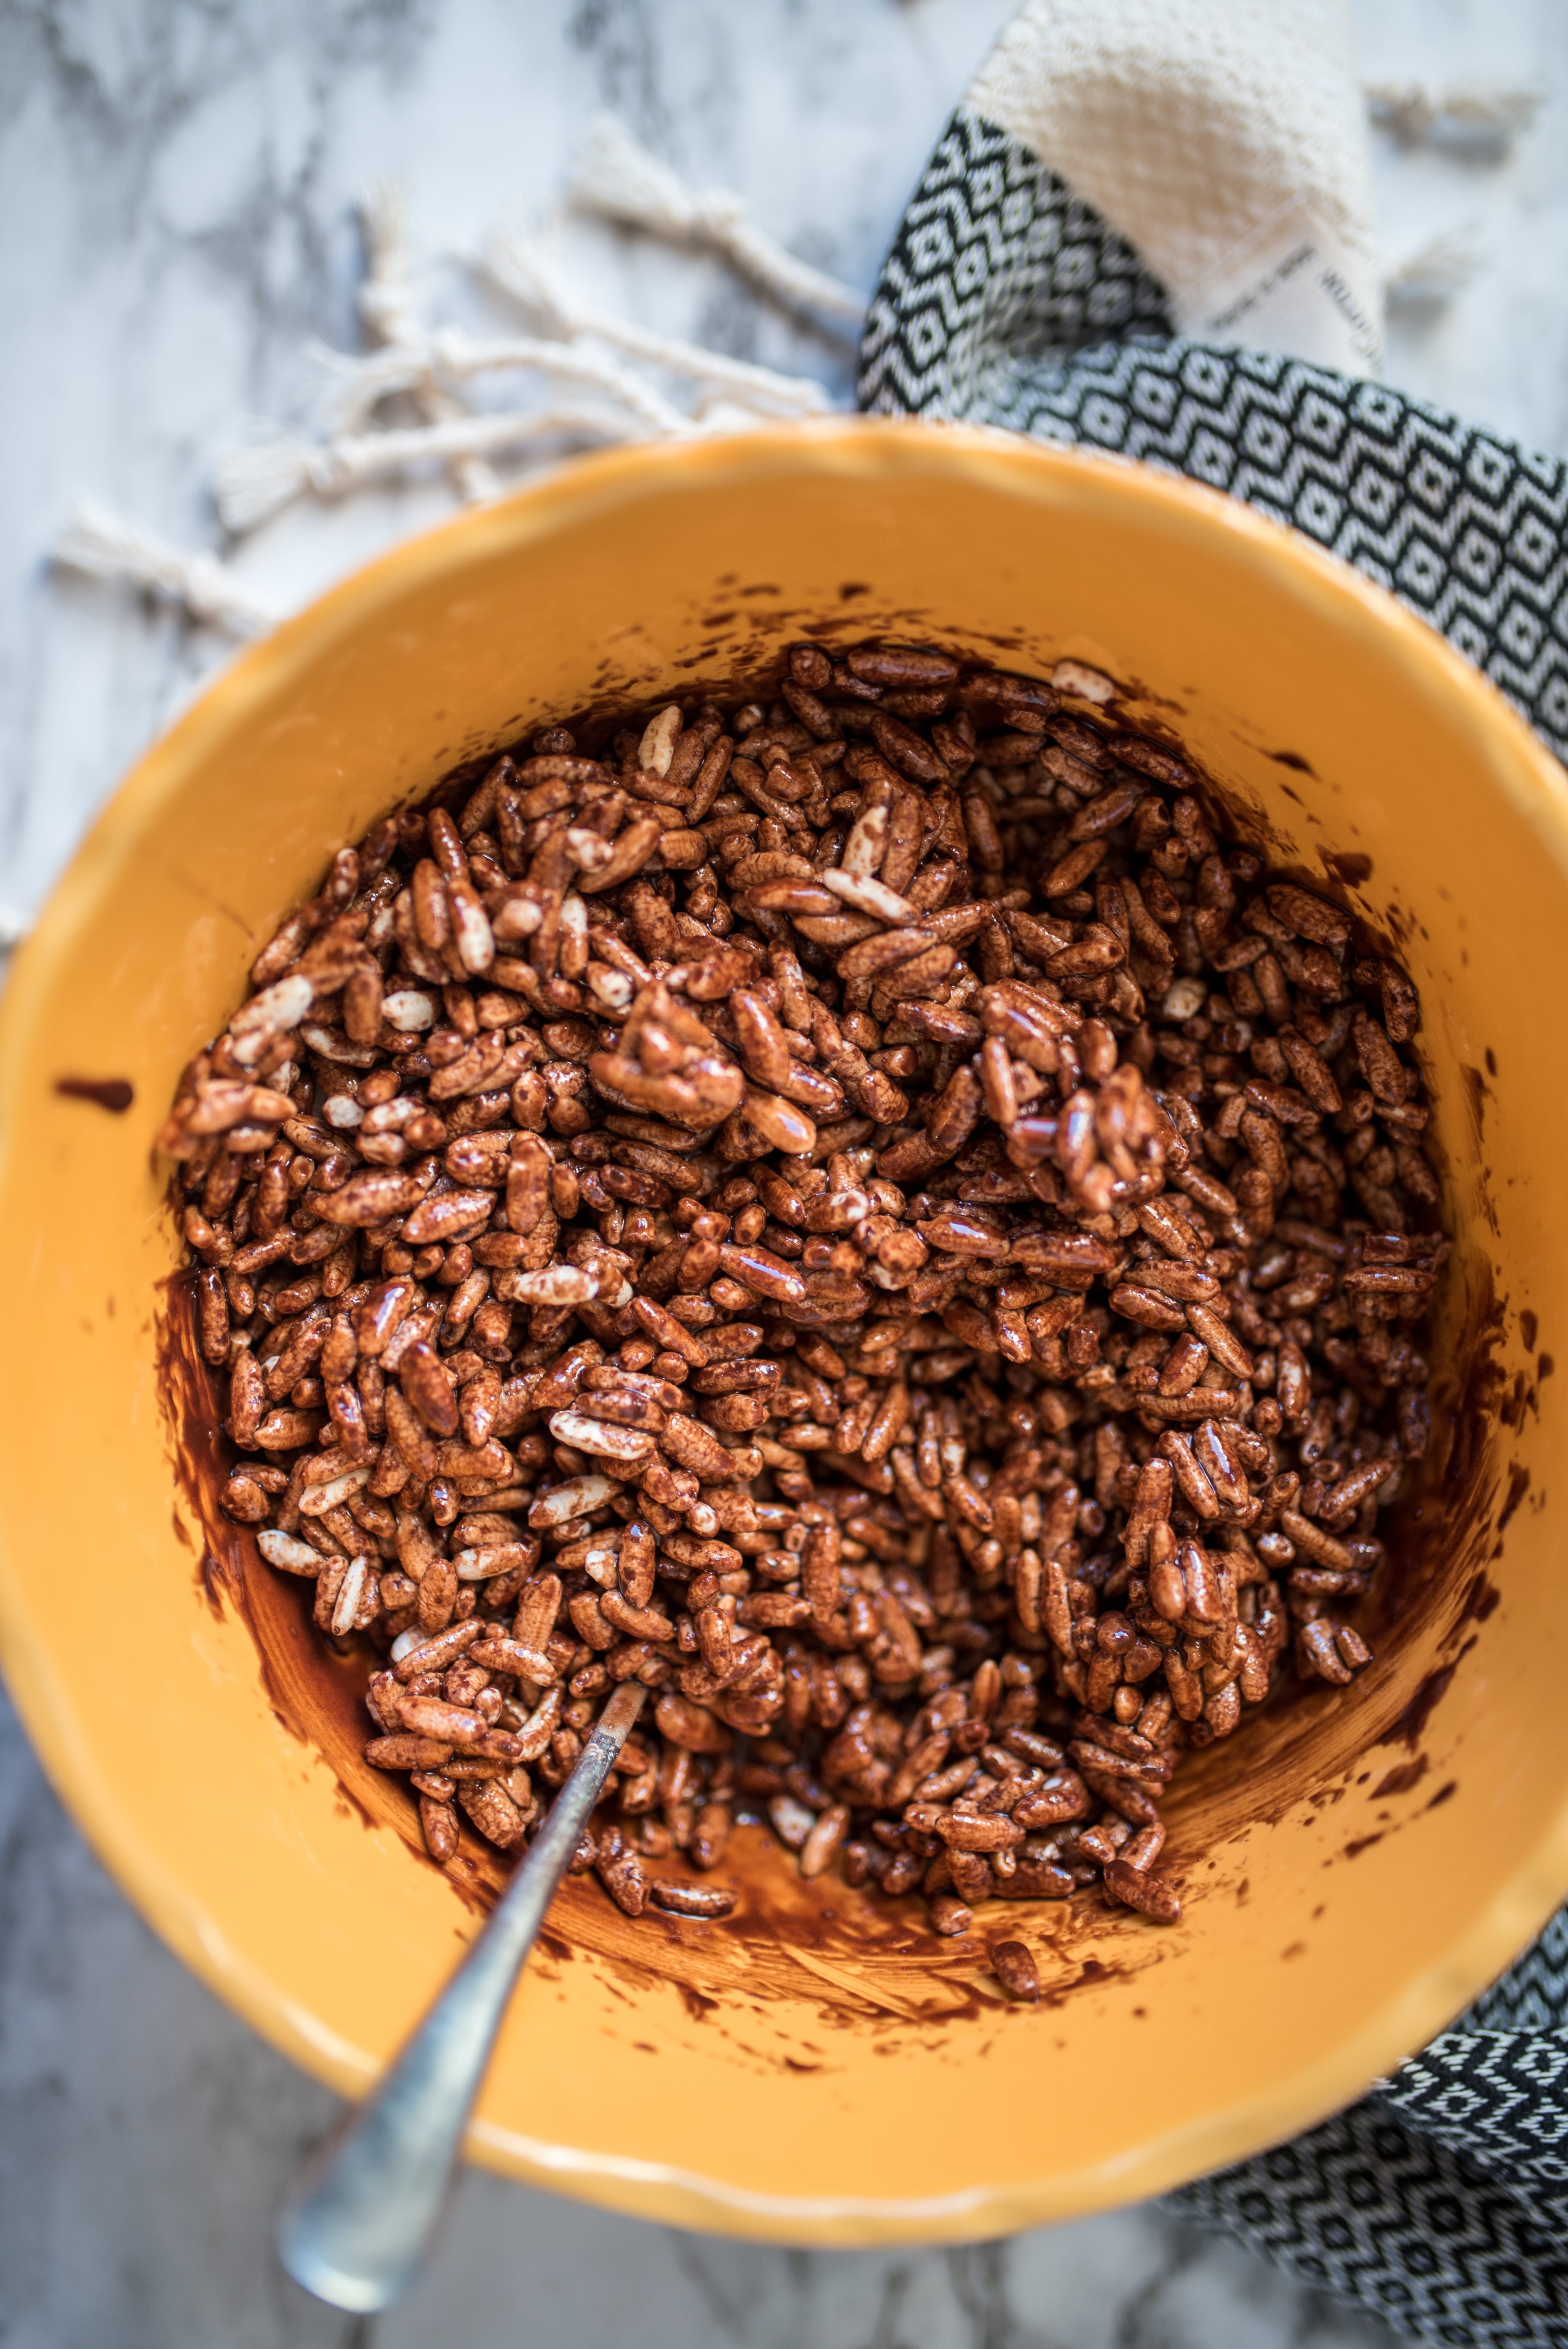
[{"x": 1520, "y": 766}]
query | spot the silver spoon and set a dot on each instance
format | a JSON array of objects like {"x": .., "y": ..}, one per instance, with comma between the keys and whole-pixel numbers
[{"x": 356, "y": 2228}]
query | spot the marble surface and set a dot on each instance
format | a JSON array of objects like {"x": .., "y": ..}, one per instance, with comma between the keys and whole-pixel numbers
[{"x": 176, "y": 187}]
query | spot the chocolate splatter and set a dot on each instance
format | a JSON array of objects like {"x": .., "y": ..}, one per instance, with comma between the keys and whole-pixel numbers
[
  {"x": 1401, "y": 1778},
  {"x": 1410, "y": 1727},
  {"x": 113, "y": 1093},
  {"x": 1518, "y": 1485},
  {"x": 1481, "y": 1599}
]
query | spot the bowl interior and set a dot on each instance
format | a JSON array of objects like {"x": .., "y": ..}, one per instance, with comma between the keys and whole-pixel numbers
[{"x": 1354, "y": 1868}]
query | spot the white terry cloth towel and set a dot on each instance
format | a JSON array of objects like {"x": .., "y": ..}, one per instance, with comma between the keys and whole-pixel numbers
[{"x": 1226, "y": 143}]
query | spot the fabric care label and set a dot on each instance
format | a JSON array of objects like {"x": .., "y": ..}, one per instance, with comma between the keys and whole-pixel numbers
[{"x": 1290, "y": 285}]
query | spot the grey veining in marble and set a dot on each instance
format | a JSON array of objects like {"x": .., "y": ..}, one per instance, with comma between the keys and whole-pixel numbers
[{"x": 176, "y": 188}]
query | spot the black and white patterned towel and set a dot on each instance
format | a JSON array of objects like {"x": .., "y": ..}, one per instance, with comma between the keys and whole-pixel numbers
[
  {"x": 1440, "y": 2201},
  {"x": 1007, "y": 300}
]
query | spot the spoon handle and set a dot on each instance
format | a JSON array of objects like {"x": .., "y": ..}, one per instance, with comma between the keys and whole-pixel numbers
[{"x": 354, "y": 2230}]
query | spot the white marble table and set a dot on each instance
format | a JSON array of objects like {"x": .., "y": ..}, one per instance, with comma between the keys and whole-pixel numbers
[{"x": 176, "y": 185}]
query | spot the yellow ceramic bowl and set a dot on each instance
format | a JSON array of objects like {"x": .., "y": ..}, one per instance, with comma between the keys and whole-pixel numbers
[{"x": 818, "y": 2070}]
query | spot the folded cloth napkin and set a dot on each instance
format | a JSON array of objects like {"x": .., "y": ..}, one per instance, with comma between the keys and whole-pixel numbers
[{"x": 1147, "y": 228}]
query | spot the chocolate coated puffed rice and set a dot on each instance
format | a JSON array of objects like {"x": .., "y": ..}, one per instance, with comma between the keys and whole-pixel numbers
[{"x": 859, "y": 1213}]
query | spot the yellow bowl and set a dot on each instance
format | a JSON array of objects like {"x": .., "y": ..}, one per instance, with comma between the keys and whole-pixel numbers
[{"x": 819, "y": 2069}]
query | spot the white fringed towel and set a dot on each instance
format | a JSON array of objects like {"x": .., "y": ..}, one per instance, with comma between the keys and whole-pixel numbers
[{"x": 1226, "y": 142}]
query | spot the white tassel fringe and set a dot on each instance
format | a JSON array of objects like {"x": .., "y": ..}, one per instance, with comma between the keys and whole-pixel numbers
[
  {"x": 387, "y": 309},
  {"x": 250, "y": 485},
  {"x": 1479, "y": 116},
  {"x": 618, "y": 179},
  {"x": 108, "y": 547},
  {"x": 385, "y": 299},
  {"x": 458, "y": 358},
  {"x": 1438, "y": 269},
  {"x": 517, "y": 266}
]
